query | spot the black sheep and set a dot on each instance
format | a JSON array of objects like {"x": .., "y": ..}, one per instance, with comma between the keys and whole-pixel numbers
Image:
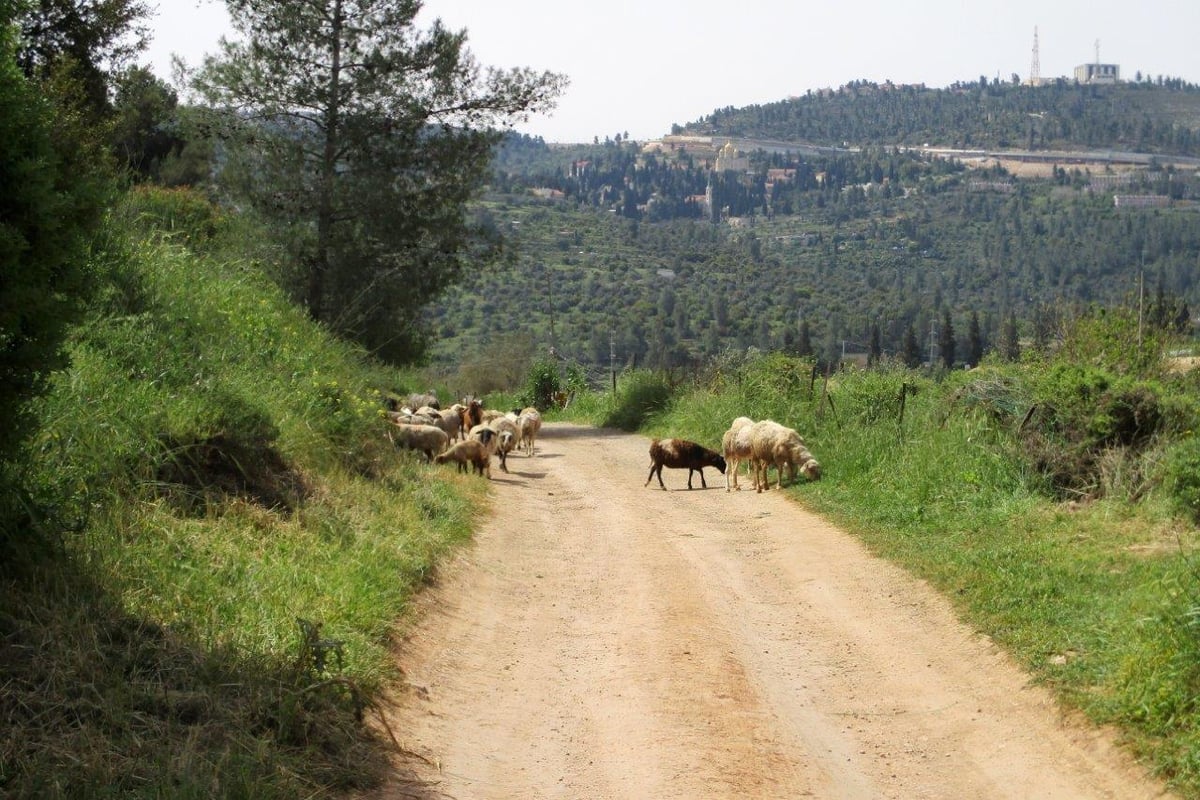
[{"x": 682, "y": 454}]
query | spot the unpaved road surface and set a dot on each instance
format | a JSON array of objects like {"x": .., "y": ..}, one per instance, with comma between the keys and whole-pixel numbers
[{"x": 601, "y": 639}]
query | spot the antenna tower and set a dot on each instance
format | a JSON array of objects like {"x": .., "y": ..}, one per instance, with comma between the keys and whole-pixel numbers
[
  {"x": 1035, "y": 66},
  {"x": 1097, "y": 52}
]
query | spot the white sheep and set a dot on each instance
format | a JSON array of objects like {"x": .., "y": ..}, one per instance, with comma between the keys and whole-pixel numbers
[
  {"x": 507, "y": 438},
  {"x": 735, "y": 445},
  {"x": 450, "y": 420},
  {"x": 530, "y": 425},
  {"x": 428, "y": 439},
  {"x": 775, "y": 445},
  {"x": 416, "y": 400},
  {"x": 470, "y": 451}
]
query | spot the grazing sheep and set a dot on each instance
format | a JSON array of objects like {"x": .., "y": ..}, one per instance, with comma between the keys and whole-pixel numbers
[
  {"x": 470, "y": 451},
  {"x": 775, "y": 445},
  {"x": 530, "y": 424},
  {"x": 735, "y": 445},
  {"x": 682, "y": 454},
  {"x": 429, "y": 439}
]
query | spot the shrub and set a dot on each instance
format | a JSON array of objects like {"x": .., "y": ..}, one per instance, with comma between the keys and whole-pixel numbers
[
  {"x": 1182, "y": 476},
  {"x": 541, "y": 385},
  {"x": 640, "y": 395},
  {"x": 182, "y": 211},
  {"x": 50, "y": 206},
  {"x": 1086, "y": 417}
]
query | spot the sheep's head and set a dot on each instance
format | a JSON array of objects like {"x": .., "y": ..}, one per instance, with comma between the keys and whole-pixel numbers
[
  {"x": 811, "y": 469},
  {"x": 719, "y": 463}
]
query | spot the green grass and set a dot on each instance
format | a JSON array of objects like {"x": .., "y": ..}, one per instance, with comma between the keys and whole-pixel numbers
[{"x": 211, "y": 469}]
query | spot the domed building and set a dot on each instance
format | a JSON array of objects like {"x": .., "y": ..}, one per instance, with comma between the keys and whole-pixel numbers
[{"x": 730, "y": 159}]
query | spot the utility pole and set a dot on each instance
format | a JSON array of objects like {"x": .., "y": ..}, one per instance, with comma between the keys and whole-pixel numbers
[
  {"x": 932, "y": 341},
  {"x": 1141, "y": 295},
  {"x": 612, "y": 359},
  {"x": 550, "y": 302}
]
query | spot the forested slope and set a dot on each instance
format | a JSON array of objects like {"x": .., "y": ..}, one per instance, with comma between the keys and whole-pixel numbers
[{"x": 1161, "y": 116}]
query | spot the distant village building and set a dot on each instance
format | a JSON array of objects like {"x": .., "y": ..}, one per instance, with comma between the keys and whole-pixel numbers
[
  {"x": 1114, "y": 181},
  {"x": 1141, "y": 200},
  {"x": 1098, "y": 73},
  {"x": 730, "y": 159},
  {"x": 1003, "y": 187}
]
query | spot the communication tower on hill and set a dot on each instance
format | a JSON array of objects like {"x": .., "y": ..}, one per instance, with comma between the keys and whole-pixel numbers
[{"x": 1035, "y": 65}]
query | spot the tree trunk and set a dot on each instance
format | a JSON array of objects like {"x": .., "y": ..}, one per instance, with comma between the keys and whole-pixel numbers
[{"x": 320, "y": 266}]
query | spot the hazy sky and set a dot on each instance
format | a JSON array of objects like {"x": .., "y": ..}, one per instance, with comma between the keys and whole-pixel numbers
[{"x": 637, "y": 66}]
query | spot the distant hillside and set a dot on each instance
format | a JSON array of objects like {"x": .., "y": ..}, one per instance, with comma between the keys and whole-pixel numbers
[
  {"x": 667, "y": 253},
  {"x": 1156, "y": 117},
  {"x": 824, "y": 279}
]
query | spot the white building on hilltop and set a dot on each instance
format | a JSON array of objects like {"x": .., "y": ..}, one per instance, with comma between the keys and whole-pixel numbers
[{"x": 1098, "y": 73}]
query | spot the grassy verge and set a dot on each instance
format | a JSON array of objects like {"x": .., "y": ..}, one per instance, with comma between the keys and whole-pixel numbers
[
  {"x": 222, "y": 543},
  {"x": 1097, "y": 599}
]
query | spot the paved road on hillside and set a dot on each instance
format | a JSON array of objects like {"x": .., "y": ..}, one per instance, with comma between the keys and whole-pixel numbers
[{"x": 602, "y": 639}]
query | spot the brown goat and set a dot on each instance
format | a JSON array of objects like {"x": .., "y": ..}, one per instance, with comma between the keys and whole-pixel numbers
[{"x": 682, "y": 454}]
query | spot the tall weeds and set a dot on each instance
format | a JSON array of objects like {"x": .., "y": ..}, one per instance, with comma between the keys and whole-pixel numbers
[{"x": 211, "y": 468}]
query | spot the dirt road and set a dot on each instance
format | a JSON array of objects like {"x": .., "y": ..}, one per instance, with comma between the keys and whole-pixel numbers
[{"x": 602, "y": 639}]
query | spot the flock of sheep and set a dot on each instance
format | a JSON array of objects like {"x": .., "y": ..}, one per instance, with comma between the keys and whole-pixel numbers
[
  {"x": 465, "y": 434},
  {"x": 761, "y": 445},
  {"x": 468, "y": 435}
]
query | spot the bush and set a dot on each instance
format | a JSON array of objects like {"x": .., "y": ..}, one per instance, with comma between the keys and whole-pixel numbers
[
  {"x": 639, "y": 395},
  {"x": 50, "y": 206},
  {"x": 541, "y": 386},
  {"x": 1182, "y": 476},
  {"x": 1085, "y": 417},
  {"x": 183, "y": 212}
]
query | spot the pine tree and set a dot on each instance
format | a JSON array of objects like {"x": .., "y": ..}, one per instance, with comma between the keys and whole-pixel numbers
[
  {"x": 946, "y": 342},
  {"x": 365, "y": 159},
  {"x": 975, "y": 345},
  {"x": 804, "y": 347},
  {"x": 53, "y": 200},
  {"x": 911, "y": 351}
]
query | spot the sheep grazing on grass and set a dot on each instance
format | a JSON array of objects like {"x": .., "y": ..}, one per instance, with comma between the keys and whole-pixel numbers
[
  {"x": 682, "y": 454},
  {"x": 427, "y": 439},
  {"x": 735, "y": 445},
  {"x": 470, "y": 451},
  {"x": 775, "y": 445}
]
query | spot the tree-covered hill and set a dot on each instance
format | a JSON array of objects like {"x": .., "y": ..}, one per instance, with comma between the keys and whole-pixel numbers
[
  {"x": 1160, "y": 116},
  {"x": 858, "y": 267}
]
